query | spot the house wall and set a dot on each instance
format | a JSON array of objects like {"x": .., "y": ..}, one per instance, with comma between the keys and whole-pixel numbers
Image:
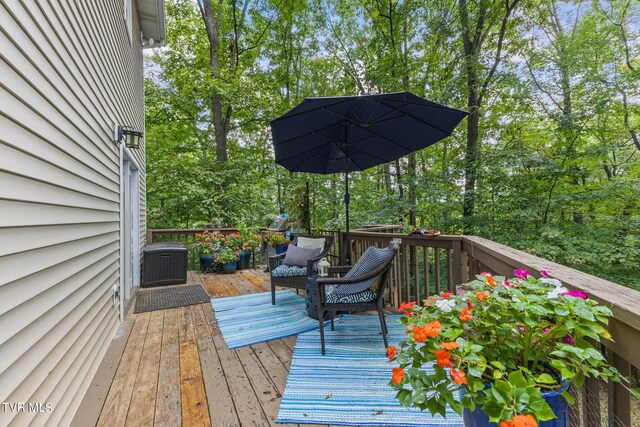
[{"x": 68, "y": 74}]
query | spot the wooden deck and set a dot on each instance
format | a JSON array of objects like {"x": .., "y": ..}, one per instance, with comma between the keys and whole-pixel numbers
[{"x": 177, "y": 370}]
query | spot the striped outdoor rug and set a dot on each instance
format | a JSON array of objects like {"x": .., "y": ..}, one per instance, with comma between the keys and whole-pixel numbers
[
  {"x": 250, "y": 319},
  {"x": 349, "y": 385}
]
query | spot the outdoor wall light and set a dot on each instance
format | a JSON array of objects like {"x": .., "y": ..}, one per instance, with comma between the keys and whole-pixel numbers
[{"x": 131, "y": 137}]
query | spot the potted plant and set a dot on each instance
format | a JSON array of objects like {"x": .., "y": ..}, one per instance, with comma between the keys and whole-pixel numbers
[
  {"x": 277, "y": 241},
  {"x": 205, "y": 245},
  {"x": 508, "y": 349},
  {"x": 228, "y": 257},
  {"x": 250, "y": 240}
]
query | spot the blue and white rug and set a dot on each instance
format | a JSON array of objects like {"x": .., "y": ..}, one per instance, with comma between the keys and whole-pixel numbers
[
  {"x": 250, "y": 319},
  {"x": 349, "y": 385}
]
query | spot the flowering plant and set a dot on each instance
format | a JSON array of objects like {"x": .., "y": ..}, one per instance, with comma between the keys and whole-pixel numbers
[
  {"x": 226, "y": 255},
  {"x": 276, "y": 239},
  {"x": 250, "y": 240},
  {"x": 504, "y": 343},
  {"x": 206, "y": 242}
]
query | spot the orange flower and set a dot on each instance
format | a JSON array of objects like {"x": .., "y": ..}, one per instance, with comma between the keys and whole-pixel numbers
[
  {"x": 524, "y": 421},
  {"x": 458, "y": 376},
  {"x": 470, "y": 305},
  {"x": 433, "y": 329},
  {"x": 430, "y": 299},
  {"x": 490, "y": 280},
  {"x": 449, "y": 345},
  {"x": 391, "y": 352},
  {"x": 409, "y": 314},
  {"x": 406, "y": 306},
  {"x": 443, "y": 357},
  {"x": 446, "y": 295},
  {"x": 507, "y": 423},
  {"x": 420, "y": 333},
  {"x": 397, "y": 376},
  {"x": 482, "y": 296},
  {"x": 465, "y": 316}
]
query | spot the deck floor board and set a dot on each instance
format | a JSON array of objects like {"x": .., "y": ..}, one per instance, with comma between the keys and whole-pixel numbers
[{"x": 177, "y": 370}]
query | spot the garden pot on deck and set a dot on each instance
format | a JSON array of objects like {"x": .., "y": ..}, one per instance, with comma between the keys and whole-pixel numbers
[
  {"x": 554, "y": 399},
  {"x": 206, "y": 262},
  {"x": 243, "y": 262},
  {"x": 229, "y": 267},
  {"x": 281, "y": 249}
]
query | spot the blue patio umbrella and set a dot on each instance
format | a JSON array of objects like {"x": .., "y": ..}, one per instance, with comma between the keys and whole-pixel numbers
[{"x": 353, "y": 133}]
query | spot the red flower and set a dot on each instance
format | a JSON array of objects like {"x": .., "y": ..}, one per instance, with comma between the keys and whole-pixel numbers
[
  {"x": 397, "y": 376},
  {"x": 443, "y": 357},
  {"x": 446, "y": 295},
  {"x": 405, "y": 306},
  {"x": 470, "y": 305},
  {"x": 391, "y": 352},
  {"x": 458, "y": 376}
]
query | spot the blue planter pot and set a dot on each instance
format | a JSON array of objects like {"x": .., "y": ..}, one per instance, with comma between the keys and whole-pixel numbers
[
  {"x": 558, "y": 404},
  {"x": 281, "y": 249},
  {"x": 206, "y": 262},
  {"x": 243, "y": 262},
  {"x": 229, "y": 267}
]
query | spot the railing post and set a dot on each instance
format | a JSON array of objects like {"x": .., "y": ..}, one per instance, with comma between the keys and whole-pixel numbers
[
  {"x": 458, "y": 264},
  {"x": 619, "y": 398}
]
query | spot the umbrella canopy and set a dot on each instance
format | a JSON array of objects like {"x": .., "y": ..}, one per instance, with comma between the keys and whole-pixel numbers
[{"x": 353, "y": 133}]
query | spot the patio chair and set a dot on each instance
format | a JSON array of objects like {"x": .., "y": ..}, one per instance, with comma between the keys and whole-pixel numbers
[
  {"x": 360, "y": 289},
  {"x": 303, "y": 264}
]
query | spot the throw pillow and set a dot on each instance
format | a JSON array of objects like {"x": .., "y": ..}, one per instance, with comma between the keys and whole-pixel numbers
[
  {"x": 309, "y": 243},
  {"x": 299, "y": 256}
]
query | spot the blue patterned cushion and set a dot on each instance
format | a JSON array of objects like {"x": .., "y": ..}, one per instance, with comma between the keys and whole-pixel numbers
[
  {"x": 366, "y": 296},
  {"x": 289, "y": 271},
  {"x": 371, "y": 259}
]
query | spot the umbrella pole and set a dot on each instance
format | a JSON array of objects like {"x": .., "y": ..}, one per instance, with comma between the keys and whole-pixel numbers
[{"x": 347, "y": 199}]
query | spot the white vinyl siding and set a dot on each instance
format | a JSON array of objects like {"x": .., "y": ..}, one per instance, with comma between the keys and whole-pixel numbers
[{"x": 68, "y": 74}]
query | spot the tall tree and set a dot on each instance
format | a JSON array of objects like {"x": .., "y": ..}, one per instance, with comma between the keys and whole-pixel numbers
[{"x": 479, "y": 25}]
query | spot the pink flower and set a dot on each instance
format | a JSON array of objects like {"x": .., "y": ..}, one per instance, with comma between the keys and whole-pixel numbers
[
  {"x": 506, "y": 284},
  {"x": 544, "y": 273},
  {"x": 576, "y": 294},
  {"x": 569, "y": 340},
  {"x": 521, "y": 273},
  {"x": 485, "y": 273}
]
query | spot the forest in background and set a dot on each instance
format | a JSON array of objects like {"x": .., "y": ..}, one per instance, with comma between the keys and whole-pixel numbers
[{"x": 548, "y": 160}]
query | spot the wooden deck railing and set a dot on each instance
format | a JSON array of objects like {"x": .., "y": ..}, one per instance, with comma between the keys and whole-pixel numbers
[{"x": 428, "y": 265}]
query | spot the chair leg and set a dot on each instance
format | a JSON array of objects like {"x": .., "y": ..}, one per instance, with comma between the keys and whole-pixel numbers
[
  {"x": 321, "y": 320},
  {"x": 273, "y": 294},
  {"x": 383, "y": 326},
  {"x": 332, "y": 314}
]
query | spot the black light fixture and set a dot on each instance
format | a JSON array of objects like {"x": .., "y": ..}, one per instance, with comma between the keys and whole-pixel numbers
[{"x": 131, "y": 137}]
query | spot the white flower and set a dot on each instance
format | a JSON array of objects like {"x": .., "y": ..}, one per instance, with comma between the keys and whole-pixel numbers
[
  {"x": 446, "y": 305},
  {"x": 554, "y": 282},
  {"x": 556, "y": 292}
]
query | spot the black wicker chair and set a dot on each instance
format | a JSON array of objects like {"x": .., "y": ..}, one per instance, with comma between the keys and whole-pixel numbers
[
  {"x": 298, "y": 281},
  {"x": 379, "y": 275}
]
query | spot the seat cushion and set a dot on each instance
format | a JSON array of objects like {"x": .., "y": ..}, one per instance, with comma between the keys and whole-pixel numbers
[
  {"x": 371, "y": 259},
  {"x": 299, "y": 256},
  {"x": 289, "y": 271},
  {"x": 366, "y": 296},
  {"x": 310, "y": 243}
]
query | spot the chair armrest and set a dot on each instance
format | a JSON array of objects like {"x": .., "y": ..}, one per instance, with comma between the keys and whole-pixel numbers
[
  {"x": 273, "y": 261},
  {"x": 340, "y": 269}
]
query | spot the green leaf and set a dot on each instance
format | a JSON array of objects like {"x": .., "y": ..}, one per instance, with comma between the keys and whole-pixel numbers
[
  {"x": 545, "y": 379},
  {"x": 568, "y": 397},
  {"x": 517, "y": 379}
]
